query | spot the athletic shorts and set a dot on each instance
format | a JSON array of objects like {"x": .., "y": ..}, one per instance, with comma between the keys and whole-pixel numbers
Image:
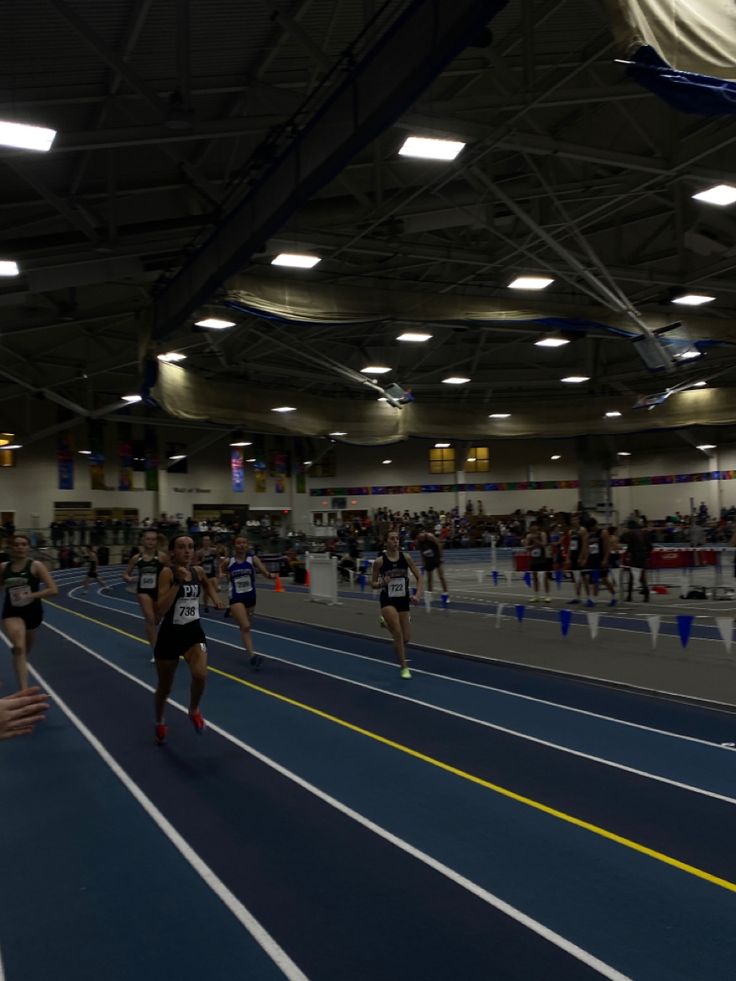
[
  {"x": 249, "y": 602},
  {"x": 174, "y": 642},
  {"x": 540, "y": 565},
  {"x": 153, "y": 593},
  {"x": 31, "y": 615},
  {"x": 430, "y": 565},
  {"x": 401, "y": 604}
]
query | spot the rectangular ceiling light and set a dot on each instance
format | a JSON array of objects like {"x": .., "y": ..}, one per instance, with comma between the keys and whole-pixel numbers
[
  {"x": 530, "y": 283},
  {"x": 441, "y": 446},
  {"x": 295, "y": 260},
  {"x": 214, "y": 324},
  {"x": 551, "y": 342},
  {"x": 693, "y": 299},
  {"x": 430, "y": 149},
  {"x": 575, "y": 379},
  {"x": 612, "y": 415},
  {"x": 720, "y": 194},
  {"x": 415, "y": 338},
  {"x": 8, "y": 268},
  {"x": 172, "y": 356},
  {"x": 26, "y": 137},
  {"x": 500, "y": 415},
  {"x": 455, "y": 380}
]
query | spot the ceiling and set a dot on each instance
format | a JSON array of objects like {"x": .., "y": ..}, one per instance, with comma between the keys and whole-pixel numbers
[{"x": 162, "y": 201}]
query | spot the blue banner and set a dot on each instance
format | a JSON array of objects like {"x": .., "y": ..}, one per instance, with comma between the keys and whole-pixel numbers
[{"x": 237, "y": 470}]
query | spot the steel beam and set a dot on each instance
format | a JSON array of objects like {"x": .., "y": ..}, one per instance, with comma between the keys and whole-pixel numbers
[{"x": 383, "y": 84}]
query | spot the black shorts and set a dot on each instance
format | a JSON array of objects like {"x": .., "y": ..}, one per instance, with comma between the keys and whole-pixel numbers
[
  {"x": 173, "y": 642},
  {"x": 31, "y": 615},
  {"x": 153, "y": 593},
  {"x": 540, "y": 565},
  {"x": 430, "y": 565},
  {"x": 400, "y": 604}
]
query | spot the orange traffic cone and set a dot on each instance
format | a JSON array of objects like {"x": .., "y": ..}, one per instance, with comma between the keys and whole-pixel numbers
[
  {"x": 307, "y": 579},
  {"x": 278, "y": 585}
]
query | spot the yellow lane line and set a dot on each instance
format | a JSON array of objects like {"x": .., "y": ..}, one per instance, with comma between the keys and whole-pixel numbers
[{"x": 455, "y": 771}]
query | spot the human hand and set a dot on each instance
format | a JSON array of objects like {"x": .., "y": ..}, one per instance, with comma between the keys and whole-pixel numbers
[{"x": 21, "y": 711}]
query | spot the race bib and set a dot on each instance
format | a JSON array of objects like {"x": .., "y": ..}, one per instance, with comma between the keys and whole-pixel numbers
[
  {"x": 186, "y": 611},
  {"x": 20, "y": 595},
  {"x": 536, "y": 553},
  {"x": 593, "y": 549},
  {"x": 574, "y": 545},
  {"x": 397, "y": 587},
  {"x": 243, "y": 584},
  {"x": 148, "y": 580}
]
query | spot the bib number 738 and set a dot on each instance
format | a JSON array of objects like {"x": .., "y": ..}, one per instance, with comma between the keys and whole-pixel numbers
[{"x": 186, "y": 611}]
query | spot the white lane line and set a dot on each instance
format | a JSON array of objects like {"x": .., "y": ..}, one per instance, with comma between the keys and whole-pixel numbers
[
  {"x": 537, "y": 740},
  {"x": 472, "y": 887},
  {"x": 239, "y": 911}
]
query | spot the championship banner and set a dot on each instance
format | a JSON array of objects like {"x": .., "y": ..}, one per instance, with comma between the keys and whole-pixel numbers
[
  {"x": 65, "y": 462},
  {"x": 301, "y": 483},
  {"x": 237, "y": 470},
  {"x": 280, "y": 485}
]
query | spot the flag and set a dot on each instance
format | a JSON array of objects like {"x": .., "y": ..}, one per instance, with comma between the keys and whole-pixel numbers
[
  {"x": 684, "y": 626},
  {"x": 725, "y": 629},
  {"x": 593, "y": 619},
  {"x": 565, "y": 618},
  {"x": 684, "y": 52},
  {"x": 654, "y": 623},
  {"x": 520, "y": 610},
  {"x": 499, "y": 611}
]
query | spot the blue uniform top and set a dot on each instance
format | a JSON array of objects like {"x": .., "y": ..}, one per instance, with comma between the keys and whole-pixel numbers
[{"x": 242, "y": 580}]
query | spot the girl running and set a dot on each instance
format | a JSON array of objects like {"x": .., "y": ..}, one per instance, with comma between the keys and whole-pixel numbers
[
  {"x": 145, "y": 567},
  {"x": 241, "y": 573},
  {"x": 391, "y": 573},
  {"x": 26, "y": 583}
]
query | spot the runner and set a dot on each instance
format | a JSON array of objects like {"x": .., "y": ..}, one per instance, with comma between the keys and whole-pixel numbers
[
  {"x": 391, "y": 573},
  {"x": 208, "y": 558},
  {"x": 430, "y": 549},
  {"x": 22, "y": 611},
  {"x": 147, "y": 564},
  {"x": 180, "y": 635},
  {"x": 536, "y": 545},
  {"x": 92, "y": 573},
  {"x": 241, "y": 573}
]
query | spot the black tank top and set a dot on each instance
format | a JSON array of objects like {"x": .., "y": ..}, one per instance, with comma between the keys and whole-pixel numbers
[
  {"x": 397, "y": 587},
  {"x": 184, "y": 611},
  {"x": 19, "y": 585}
]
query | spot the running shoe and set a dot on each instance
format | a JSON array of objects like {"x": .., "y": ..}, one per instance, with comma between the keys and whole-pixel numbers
[
  {"x": 547, "y": 599},
  {"x": 534, "y": 599},
  {"x": 256, "y": 661},
  {"x": 589, "y": 602},
  {"x": 405, "y": 673},
  {"x": 161, "y": 732},
  {"x": 572, "y": 602},
  {"x": 614, "y": 602},
  {"x": 382, "y": 622},
  {"x": 197, "y": 720}
]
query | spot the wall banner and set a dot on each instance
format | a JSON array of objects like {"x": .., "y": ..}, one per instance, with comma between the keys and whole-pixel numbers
[
  {"x": 65, "y": 461},
  {"x": 237, "y": 470}
]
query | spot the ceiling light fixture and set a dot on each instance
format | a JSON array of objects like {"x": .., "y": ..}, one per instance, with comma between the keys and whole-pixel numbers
[
  {"x": 414, "y": 338},
  {"x": 338, "y": 434},
  {"x": 707, "y": 446},
  {"x": 375, "y": 369},
  {"x": 131, "y": 399},
  {"x": 85, "y": 452},
  {"x": 251, "y": 459},
  {"x": 530, "y": 283},
  {"x": 556, "y": 457},
  {"x": 430, "y": 149},
  {"x": 307, "y": 463},
  {"x": 26, "y": 137},
  {"x": 575, "y": 379},
  {"x": 455, "y": 380},
  {"x": 171, "y": 357},
  {"x": 9, "y": 268},
  {"x": 178, "y": 456},
  {"x": 623, "y": 453},
  {"x": 612, "y": 415},
  {"x": 471, "y": 459},
  {"x": 551, "y": 342},
  {"x": 689, "y": 354},
  {"x": 720, "y": 194},
  {"x": 242, "y": 443},
  {"x": 693, "y": 299},
  {"x": 699, "y": 385},
  {"x": 14, "y": 446},
  {"x": 500, "y": 415},
  {"x": 296, "y": 260},
  {"x": 441, "y": 446},
  {"x": 284, "y": 408},
  {"x": 386, "y": 461},
  {"x": 214, "y": 323}
]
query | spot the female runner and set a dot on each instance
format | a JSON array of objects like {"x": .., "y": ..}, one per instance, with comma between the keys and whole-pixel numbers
[
  {"x": 180, "y": 635},
  {"x": 241, "y": 572},
  {"x": 147, "y": 564},
  {"x": 22, "y": 612},
  {"x": 391, "y": 573}
]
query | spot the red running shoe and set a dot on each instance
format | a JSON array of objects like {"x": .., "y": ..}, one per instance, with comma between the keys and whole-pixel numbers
[
  {"x": 197, "y": 720},
  {"x": 161, "y": 731}
]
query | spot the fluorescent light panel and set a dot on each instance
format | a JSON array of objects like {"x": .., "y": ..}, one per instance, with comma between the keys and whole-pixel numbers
[
  {"x": 9, "y": 268},
  {"x": 26, "y": 137},
  {"x": 575, "y": 379},
  {"x": 530, "y": 283},
  {"x": 284, "y": 408},
  {"x": 693, "y": 299},
  {"x": 556, "y": 457},
  {"x": 612, "y": 415},
  {"x": 441, "y": 446},
  {"x": 500, "y": 415},
  {"x": 551, "y": 342},
  {"x": 375, "y": 369},
  {"x": 455, "y": 380},
  {"x": 414, "y": 338},
  {"x": 215, "y": 324},
  {"x": 131, "y": 398},
  {"x": 172, "y": 356},
  {"x": 338, "y": 434},
  {"x": 241, "y": 444},
  {"x": 296, "y": 260},
  {"x": 14, "y": 446},
  {"x": 707, "y": 446},
  {"x": 720, "y": 194},
  {"x": 430, "y": 149},
  {"x": 623, "y": 453},
  {"x": 387, "y": 461}
]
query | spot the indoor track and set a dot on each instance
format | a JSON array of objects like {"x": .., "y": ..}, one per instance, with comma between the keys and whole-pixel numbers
[{"x": 479, "y": 821}]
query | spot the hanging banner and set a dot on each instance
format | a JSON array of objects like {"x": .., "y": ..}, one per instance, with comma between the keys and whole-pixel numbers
[
  {"x": 65, "y": 462},
  {"x": 499, "y": 611},
  {"x": 654, "y": 623},
  {"x": 684, "y": 626},
  {"x": 520, "y": 610},
  {"x": 260, "y": 478},
  {"x": 237, "y": 470},
  {"x": 301, "y": 483},
  {"x": 279, "y": 463},
  {"x": 280, "y": 485},
  {"x": 593, "y": 620},
  {"x": 125, "y": 457},
  {"x": 565, "y": 618},
  {"x": 725, "y": 629}
]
